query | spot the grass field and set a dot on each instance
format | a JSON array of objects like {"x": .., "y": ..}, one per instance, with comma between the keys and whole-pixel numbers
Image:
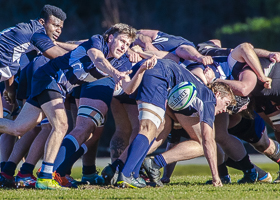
[{"x": 186, "y": 183}]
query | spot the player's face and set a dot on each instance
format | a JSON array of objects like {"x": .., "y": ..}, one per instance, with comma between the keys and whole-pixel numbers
[
  {"x": 221, "y": 103},
  {"x": 53, "y": 27},
  {"x": 118, "y": 45}
]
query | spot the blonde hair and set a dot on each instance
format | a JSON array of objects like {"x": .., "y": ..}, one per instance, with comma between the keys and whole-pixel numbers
[{"x": 223, "y": 89}]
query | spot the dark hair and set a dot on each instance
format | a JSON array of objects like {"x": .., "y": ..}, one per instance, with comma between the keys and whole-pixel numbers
[
  {"x": 49, "y": 10},
  {"x": 120, "y": 29}
]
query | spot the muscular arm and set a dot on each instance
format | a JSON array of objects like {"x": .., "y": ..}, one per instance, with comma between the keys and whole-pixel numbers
[
  {"x": 210, "y": 151},
  {"x": 67, "y": 46},
  {"x": 54, "y": 52},
  {"x": 273, "y": 56},
  {"x": 245, "y": 85},
  {"x": 97, "y": 57},
  {"x": 145, "y": 38}
]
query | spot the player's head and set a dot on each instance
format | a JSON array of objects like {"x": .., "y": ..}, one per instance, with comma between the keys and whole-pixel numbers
[
  {"x": 224, "y": 96},
  {"x": 52, "y": 18},
  {"x": 119, "y": 37}
]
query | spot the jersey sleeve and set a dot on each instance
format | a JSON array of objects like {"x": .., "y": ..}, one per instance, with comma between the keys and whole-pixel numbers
[
  {"x": 42, "y": 41},
  {"x": 207, "y": 114}
]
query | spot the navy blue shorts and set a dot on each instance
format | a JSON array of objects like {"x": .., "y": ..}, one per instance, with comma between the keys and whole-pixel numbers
[{"x": 101, "y": 89}]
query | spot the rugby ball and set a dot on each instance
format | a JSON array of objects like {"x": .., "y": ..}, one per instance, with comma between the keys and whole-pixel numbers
[{"x": 181, "y": 96}]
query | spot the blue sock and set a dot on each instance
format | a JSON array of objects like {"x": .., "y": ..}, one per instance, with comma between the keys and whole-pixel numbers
[
  {"x": 160, "y": 161},
  {"x": 10, "y": 168},
  {"x": 27, "y": 168},
  {"x": 139, "y": 164},
  {"x": 136, "y": 151},
  {"x": 68, "y": 147},
  {"x": 65, "y": 167},
  {"x": 46, "y": 170}
]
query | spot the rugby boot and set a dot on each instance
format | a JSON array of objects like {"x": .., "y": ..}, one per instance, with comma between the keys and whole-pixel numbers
[
  {"x": 25, "y": 180},
  {"x": 108, "y": 174},
  {"x": 7, "y": 181},
  {"x": 225, "y": 180},
  {"x": 265, "y": 179},
  {"x": 129, "y": 182},
  {"x": 49, "y": 184},
  {"x": 63, "y": 181},
  {"x": 250, "y": 176},
  {"x": 93, "y": 179},
  {"x": 152, "y": 170},
  {"x": 277, "y": 180}
]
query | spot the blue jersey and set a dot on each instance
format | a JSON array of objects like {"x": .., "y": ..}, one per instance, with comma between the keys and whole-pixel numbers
[
  {"x": 75, "y": 68},
  {"x": 19, "y": 40},
  {"x": 166, "y": 42},
  {"x": 158, "y": 81}
]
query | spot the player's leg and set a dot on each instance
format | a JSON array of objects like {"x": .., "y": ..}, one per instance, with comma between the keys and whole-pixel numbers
[
  {"x": 25, "y": 177},
  {"x": 234, "y": 148},
  {"x": 120, "y": 139}
]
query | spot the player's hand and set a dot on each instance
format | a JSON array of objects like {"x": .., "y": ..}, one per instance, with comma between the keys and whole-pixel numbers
[
  {"x": 134, "y": 57},
  {"x": 205, "y": 60},
  {"x": 137, "y": 49},
  {"x": 274, "y": 57},
  {"x": 209, "y": 74},
  {"x": 217, "y": 182},
  {"x": 9, "y": 97},
  {"x": 148, "y": 64},
  {"x": 120, "y": 76},
  {"x": 267, "y": 82}
]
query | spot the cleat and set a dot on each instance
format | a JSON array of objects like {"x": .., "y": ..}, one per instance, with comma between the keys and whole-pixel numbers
[
  {"x": 250, "y": 176},
  {"x": 265, "y": 179},
  {"x": 93, "y": 179},
  {"x": 71, "y": 179},
  {"x": 225, "y": 180},
  {"x": 277, "y": 180},
  {"x": 129, "y": 182},
  {"x": 7, "y": 181},
  {"x": 152, "y": 170},
  {"x": 141, "y": 181},
  {"x": 48, "y": 184},
  {"x": 108, "y": 174},
  {"x": 25, "y": 180},
  {"x": 63, "y": 181}
]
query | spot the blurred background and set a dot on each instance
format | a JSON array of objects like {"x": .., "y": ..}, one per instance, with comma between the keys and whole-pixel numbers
[{"x": 233, "y": 22}]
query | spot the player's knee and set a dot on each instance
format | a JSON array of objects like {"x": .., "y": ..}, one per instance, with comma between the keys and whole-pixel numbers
[{"x": 245, "y": 47}]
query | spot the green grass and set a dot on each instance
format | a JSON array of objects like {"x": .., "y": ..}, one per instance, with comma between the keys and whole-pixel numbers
[{"x": 186, "y": 183}]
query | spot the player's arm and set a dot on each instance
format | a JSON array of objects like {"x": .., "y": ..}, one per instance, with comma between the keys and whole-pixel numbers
[
  {"x": 97, "y": 57},
  {"x": 144, "y": 39},
  {"x": 188, "y": 52},
  {"x": 210, "y": 151},
  {"x": 54, "y": 52},
  {"x": 158, "y": 54},
  {"x": 67, "y": 46},
  {"x": 130, "y": 85},
  {"x": 273, "y": 56}
]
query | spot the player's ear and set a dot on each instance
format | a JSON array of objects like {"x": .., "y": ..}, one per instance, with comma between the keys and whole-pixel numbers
[
  {"x": 217, "y": 94},
  {"x": 42, "y": 21},
  {"x": 111, "y": 37}
]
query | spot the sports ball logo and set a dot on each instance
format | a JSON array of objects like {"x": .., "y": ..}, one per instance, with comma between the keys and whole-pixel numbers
[{"x": 181, "y": 96}]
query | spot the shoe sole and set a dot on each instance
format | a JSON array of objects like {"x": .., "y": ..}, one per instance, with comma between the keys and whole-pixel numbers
[
  {"x": 124, "y": 184},
  {"x": 43, "y": 187}
]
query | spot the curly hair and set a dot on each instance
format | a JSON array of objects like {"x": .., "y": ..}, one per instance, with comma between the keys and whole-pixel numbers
[
  {"x": 120, "y": 28},
  {"x": 49, "y": 10}
]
